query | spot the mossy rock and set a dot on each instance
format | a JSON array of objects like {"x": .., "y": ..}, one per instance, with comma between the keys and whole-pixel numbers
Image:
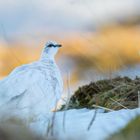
[{"x": 115, "y": 94}]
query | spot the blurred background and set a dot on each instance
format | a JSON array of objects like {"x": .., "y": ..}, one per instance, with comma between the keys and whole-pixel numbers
[{"x": 100, "y": 38}]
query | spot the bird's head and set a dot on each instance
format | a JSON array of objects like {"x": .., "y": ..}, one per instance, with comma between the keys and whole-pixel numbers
[{"x": 51, "y": 49}]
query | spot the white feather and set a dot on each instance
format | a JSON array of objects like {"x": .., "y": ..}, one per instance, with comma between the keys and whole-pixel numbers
[{"x": 33, "y": 88}]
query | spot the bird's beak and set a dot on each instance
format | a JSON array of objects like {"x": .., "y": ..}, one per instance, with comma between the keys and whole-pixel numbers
[{"x": 59, "y": 45}]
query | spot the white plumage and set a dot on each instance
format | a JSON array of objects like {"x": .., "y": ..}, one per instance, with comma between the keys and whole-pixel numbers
[{"x": 33, "y": 88}]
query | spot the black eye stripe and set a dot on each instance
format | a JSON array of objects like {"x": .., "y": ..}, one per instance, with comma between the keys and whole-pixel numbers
[{"x": 51, "y": 45}]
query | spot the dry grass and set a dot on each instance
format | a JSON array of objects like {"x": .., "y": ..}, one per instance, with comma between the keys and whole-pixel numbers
[
  {"x": 110, "y": 94},
  {"x": 67, "y": 101}
]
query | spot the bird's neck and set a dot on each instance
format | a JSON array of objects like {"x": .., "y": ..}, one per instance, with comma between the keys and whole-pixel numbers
[{"x": 46, "y": 57}]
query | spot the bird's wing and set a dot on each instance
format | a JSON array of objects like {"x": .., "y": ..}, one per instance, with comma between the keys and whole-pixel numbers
[
  {"x": 38, "y": 83},
  {"x": 17, "y": 83}
]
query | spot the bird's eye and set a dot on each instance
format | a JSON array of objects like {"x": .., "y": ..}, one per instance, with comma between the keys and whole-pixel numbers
[{"x": 50, "y": 45}]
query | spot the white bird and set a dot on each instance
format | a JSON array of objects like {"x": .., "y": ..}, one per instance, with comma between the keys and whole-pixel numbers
[{"x": 33, "y": 88}]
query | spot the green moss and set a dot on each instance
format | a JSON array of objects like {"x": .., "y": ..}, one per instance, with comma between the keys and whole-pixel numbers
[{"x": 130, "y": 132}]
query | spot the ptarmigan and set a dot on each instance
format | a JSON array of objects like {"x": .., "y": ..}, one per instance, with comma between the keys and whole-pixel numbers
[{"x": 33, "y": 88}]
